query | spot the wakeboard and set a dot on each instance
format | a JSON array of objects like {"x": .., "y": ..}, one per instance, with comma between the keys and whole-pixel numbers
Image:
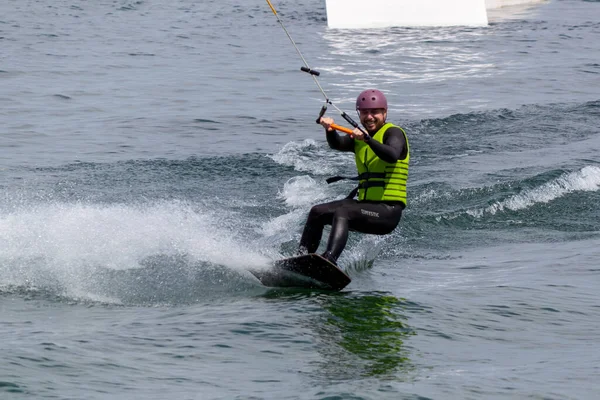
[{"x": 309, "y": 271}]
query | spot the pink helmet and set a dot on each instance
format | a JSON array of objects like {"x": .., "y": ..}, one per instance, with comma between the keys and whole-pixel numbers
[{"x": 371, "y": 98}]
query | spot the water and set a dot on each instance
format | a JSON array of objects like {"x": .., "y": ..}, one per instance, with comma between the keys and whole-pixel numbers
[{"x": 153, "y": 152}]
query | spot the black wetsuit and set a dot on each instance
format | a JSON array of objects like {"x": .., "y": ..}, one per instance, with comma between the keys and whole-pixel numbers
[{"x": 373, "y": 217}]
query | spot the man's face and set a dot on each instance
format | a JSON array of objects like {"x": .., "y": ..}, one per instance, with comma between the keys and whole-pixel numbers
[{"x": 373, "y": 118}]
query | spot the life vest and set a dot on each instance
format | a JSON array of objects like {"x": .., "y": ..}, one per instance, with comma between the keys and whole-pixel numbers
[{"x": 380, "y": 180}]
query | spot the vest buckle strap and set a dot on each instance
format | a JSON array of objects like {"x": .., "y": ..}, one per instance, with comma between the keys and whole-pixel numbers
[
  {"x": 369, "y": 184},
  {"x": 371, "y": 175},
  {"x": 339, "y": 178}
]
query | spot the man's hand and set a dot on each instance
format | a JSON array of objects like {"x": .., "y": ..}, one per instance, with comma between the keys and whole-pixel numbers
[
  {"x": 326, "y": 122},
  {"x": 358, "y": 135}
]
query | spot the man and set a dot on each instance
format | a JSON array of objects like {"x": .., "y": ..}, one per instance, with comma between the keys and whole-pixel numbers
[{"x": 382, "y": 159}]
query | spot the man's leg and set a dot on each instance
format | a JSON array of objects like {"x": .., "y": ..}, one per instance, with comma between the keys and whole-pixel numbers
[
  {"x": 319, "y": 216},
  {"x": 338, "y": 237}
]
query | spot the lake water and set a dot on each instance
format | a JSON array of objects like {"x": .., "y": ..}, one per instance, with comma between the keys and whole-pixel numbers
[{"x": 153, "y": 152}]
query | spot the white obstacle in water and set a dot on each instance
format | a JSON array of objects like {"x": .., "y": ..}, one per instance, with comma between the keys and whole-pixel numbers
[
  {"x": 491, "y": 4},
  {"x": 354, "y": 14}
]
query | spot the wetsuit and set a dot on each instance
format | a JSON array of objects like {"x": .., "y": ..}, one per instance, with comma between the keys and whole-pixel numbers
[{"x": 373, "y": 217}]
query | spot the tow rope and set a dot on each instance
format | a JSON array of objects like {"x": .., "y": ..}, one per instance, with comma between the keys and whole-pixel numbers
[{"x": 306, "y": 68}]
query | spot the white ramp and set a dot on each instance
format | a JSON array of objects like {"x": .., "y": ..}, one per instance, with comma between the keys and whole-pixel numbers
[
  {"x": 356, "y": 14},
  {"x": 492, "y": 4}
]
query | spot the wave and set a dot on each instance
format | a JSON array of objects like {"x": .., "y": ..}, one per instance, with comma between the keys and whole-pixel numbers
[
  {"x": 586, "y": 179},
  {"x": 71, "y": 249},
  {"x": 556, "y": 205}
]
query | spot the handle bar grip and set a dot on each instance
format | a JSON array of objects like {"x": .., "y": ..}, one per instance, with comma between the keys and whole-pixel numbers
[{"x": 342, "y": 129}]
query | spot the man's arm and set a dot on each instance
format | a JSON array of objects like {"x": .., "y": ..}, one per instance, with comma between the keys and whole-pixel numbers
[
  {"x": 335, "y": 140},
  {"x": 338, "y": 142},
  {"x": 393, "y": 147}
]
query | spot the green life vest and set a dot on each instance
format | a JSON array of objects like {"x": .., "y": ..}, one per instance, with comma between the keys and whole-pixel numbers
[{"x": 379, "y": 180}]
